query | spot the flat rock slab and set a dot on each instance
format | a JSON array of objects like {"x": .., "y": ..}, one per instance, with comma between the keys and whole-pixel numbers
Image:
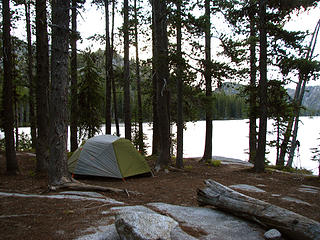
[
  {"x": 108, "y": 232},
  {"x": 309, "y": 189},
  {"x": 137, "y": 208},
  {"x": 209, "y": 223},
  {"x": 144, "y": 226},
  {"x": 85, "y": 194},
  {"x": 225, "y": 160},
  {"x": 309, "y": 186},
  {"x": 247, "y": 188},
  {"x": 295, "y": 200},
  {"x": 194, "y": 223},
  {"x": 63, "y": 196}
]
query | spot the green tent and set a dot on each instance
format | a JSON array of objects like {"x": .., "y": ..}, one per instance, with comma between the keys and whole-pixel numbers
[{"x": 107, "y": 156}]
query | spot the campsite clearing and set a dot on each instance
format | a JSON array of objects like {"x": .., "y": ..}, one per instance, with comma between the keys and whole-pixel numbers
[{"x": 43, "y": 218}]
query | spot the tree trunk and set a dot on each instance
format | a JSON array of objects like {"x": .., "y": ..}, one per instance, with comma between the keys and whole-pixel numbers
[
  {"x": 155, "y": 120},
  {"x": 42, "y": 86},
  {"x": 74, "y": 80},
  {"x": 278, "y": 139},
  {"x": 7, "y": 115},
  {"x": 252, "y": 90},
  {"x": 15, "y": 112},
  {"x": 261, "y": 151},
  {"x": 298, "y": 97},
  {"x": 140, "y": 120},
  {"x": 289, "y": 223},
  {"x": 108, "y": 68},
  {"x": 58, "y": 172},
  {"x": 127, "y": 112},
  {"x": 207, "y": 156},
  {"x": 296, "y": 123},
  {"x": 162, "y": 77},
  {"x": 303, "y": 79},
  {"x": 114, "y": 92},
  {"x": 179, "y": 159},
  {"x": 32, "y": 115}
]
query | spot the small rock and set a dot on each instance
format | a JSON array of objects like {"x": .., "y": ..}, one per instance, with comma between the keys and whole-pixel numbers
[
  {"x": 272, "y": 234},
  {"x": 261, "y": 185},
  {"x": 309, "y": 186},
  {"x": 308, "y": 190},
  {"x": 295, "y": 200},
  {"x": 144, "y": 226},
  {"x": 275, "y": 195},
  {"x": 248, "y": 188}
]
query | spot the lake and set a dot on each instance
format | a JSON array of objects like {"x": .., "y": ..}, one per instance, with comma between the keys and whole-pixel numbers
[{"x": 230, "y": 139}]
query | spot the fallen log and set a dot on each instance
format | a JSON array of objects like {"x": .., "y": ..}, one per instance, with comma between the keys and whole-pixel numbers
[
  {"x": 75, "y": 185},
  {"x": 289, "y": 223}
]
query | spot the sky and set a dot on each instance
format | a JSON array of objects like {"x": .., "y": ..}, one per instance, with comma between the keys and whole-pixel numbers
[{"x": 92, "y": 21}]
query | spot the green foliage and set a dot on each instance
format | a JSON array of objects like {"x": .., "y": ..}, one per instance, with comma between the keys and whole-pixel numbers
[
  {"x": 316, "y": 153},
  {"x": 136, "y": 140},
  {"x": 90, "y": 97},
  {"x": 2, "y": 144},
  {"x": 25, "y": 143},
  {"x": 188, "y": 167},
  {"x": 215, "y": 163}
]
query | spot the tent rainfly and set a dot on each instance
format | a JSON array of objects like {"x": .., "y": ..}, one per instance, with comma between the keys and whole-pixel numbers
[{"x": 107, "y": 156}]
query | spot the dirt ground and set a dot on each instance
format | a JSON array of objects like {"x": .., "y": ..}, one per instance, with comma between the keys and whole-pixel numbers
[{"x": 38, "y": 218}]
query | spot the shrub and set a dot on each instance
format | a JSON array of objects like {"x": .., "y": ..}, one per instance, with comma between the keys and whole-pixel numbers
[{"x": 215, "y": 163}]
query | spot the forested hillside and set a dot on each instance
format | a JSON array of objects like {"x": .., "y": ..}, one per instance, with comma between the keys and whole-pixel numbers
[{"x": 311, "y": 100}]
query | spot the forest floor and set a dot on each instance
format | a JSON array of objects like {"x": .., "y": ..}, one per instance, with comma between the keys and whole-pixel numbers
[{"x": 41, "y": 218}]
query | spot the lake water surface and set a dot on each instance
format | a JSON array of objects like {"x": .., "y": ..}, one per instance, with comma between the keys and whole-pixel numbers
[{"x": 230, "y": 139}]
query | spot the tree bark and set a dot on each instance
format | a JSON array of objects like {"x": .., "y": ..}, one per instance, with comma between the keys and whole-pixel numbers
[
  {"x": 179, "y": 159},
  {"x": 159, "y": 9},
  {"x": 138, "y": 77},
  {"x": 32, "y": 115},
  {"x": 261, "y": 151},
  {"x": 289, "y": 223},
  {"x": 155, "y": 120},
  {"x": 42, "y": 86},
  {"x": 207, "y": 156},
  {"x": 127, "y": 112},
  {"x": 8, "y": 117},
  {"x": 58, "y": 172},
  {"x": 108, "y": 68},
  {"x": 74, "y": 80},
  {"x": 296, "y": 123},
  {"x": 114, "y": 92},
  {"x": 252, "y": 91}
]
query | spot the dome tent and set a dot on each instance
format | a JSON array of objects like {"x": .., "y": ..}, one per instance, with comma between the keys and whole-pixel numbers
[{"x": 107, "y": 156}]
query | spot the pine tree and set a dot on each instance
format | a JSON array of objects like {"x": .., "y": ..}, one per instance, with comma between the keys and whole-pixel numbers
[
  {"x": 207, "y": 156},
  {"x": 58, "y": 172},
  {"x": 42, "y": 85},
  {"x": 162, "y": 78},
  {"x": 90, "y": 97},
  {"x": 8, "y": 118}
]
